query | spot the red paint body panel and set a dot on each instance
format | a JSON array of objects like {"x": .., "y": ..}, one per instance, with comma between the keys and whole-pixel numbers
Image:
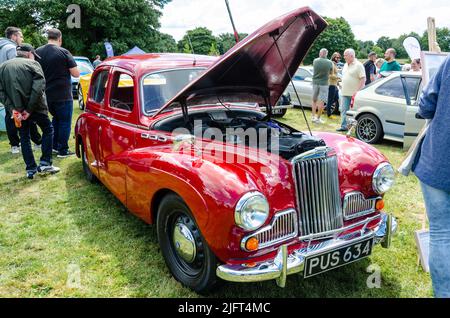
[{"x": 137, "y": 168}]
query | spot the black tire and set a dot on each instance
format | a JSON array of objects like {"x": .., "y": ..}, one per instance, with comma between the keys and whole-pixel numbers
[
  {"x": 283, "y": 112},
  {"x": 80, "y": 97},
  {"x": 87, "y": 172},
  {"x": 198, "y": 274},
  {"x": 369, "y": 129}
]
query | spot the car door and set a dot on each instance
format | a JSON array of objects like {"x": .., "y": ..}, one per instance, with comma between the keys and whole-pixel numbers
[
  {"x": 391, "y": 103},
  {"x": 95, "y": 108},
  {"x": 118, "y": 131},
  {"x": 413, "y": 123},
  {"x": 303, "y": 85}
]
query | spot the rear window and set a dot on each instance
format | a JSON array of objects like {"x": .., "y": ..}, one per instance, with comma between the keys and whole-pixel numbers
[
  {"x": 98, "y": 88},
  {"x": 392, "y": 88}
]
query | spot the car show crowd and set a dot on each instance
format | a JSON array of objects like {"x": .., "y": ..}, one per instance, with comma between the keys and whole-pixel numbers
[{"x": 37, "y": 83}]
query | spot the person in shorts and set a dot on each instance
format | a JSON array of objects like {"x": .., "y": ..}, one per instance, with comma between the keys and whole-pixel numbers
[{"x": 323, "y": 67}]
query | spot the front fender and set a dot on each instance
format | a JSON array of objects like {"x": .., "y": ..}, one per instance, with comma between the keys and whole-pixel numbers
[{"x": 357, "y": 162}]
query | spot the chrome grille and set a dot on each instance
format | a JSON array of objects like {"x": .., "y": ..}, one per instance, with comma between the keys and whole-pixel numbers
[
  {"x": 283, "y": 227},
  {"x": 318, "y": 196},
  {"x": 355, "y": 205}
]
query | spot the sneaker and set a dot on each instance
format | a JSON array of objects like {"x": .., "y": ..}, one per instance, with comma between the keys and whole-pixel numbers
[
  {"x": 315, "y": 120},
  {"x": 66, "y": 155},
  {"x": 37, "y": 147},
  {"x": 30, "y": 174},
  {"x": 321, "y": 121},
  {"x": 342, "y": 130},
  {"x": 48, "y": 169},
  {"x": 15, "y": 150},
  {"x": 55, "y": 152}
]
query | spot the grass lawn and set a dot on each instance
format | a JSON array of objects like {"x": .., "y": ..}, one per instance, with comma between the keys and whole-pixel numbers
[{"x": 63, "y": 237}]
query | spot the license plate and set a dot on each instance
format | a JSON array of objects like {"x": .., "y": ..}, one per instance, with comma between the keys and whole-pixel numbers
[{"x": 324, "y": 262}]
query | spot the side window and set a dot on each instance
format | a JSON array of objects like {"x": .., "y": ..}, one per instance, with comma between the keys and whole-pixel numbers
[
  {"x": 122, "y": 92},
  {"x": 413, "y": 84},
  {"x": 393, "y": 88},
  {"x": 99, "y": 87},
  {"x": 301, "y": 75}
]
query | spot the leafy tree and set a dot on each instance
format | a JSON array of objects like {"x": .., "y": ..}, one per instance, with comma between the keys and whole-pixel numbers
[
  {"x": 336, "y": 38},
  {"x": 213, "y": 50},
  {"x": 365, "y": 47},
  {"x": 226, "y": 41},
  {"x": 125, "y": 23},
  {"x": 385, "y": 42},
  {"x": 201, "y": 38},
  {"x": 166, "y": 43},
  {"x": 443, "y": 38}
]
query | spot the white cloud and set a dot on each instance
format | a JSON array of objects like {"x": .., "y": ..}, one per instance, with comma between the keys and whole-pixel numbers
[{"x": 369, "y": 19}]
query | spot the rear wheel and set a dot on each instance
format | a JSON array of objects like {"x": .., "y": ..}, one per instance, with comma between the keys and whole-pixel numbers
[
  {"x": 80, "y": 97},
  {"x": 185, "y": 251},
  {"x": 281, "y": 114},
  {"x": 369, "y": 129}
]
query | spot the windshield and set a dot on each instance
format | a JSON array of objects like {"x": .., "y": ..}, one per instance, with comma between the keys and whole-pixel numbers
[
  {"x": 159, "y": 88},
  {"x": 84, "y": 66}
]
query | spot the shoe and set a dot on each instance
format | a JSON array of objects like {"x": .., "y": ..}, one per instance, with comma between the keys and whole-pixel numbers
[
  {"x": 342, "y": 130},
  {"x": 55, "y": 152},
  {"x": 331, "y": 117},
  {"x": 30, "y": 174},
  {"x": 48, "y": 169},
  {"x": 315, "y": 120},
  {"x": 321, "y": 121},
  {"x": 37, "y": 147},
  {"x": 66, "y": 155},
  {"x": 15, "y": 150}
]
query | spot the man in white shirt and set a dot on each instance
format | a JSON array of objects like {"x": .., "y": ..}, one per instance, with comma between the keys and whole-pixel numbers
[{"x": 353, "y": 80}]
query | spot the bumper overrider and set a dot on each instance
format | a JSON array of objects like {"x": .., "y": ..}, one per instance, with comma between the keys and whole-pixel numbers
[{"x": 285, "y": 263}]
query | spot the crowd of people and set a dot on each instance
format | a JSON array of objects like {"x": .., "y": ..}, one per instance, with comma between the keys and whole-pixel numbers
[
  {"x": 34, "y": 84},
  {"x": 331, "y": 77}
]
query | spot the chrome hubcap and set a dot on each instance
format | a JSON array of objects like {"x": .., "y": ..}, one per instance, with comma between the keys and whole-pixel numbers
[{"x": 184, "y": 242}]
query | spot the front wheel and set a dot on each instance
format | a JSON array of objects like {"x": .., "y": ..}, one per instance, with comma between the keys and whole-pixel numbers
[
  {"x": 186, "y": 253},
  {"x": 87, "y": 172},
  {"x": 369, "y": 129}
]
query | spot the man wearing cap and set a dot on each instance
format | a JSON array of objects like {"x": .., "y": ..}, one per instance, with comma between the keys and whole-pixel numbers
[
  {"x": 22, "y": 91},
  {"x": 13, "y": 38},
  {"x": 370, "y": 67}
]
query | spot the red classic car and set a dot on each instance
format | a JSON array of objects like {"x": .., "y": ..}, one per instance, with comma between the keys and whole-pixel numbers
[{"x": 297, "y": 203}]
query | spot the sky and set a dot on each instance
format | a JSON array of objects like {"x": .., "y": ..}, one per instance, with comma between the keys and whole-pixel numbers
[{"x": 369, "y": 19}]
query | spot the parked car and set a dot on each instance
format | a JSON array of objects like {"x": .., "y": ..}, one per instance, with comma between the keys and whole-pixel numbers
[
  {"x": 303, "y": 84},
  {"x": 85, "y": 66},
  {"x": 387, "y": 109},
  {"x": 223, "y": 207}
]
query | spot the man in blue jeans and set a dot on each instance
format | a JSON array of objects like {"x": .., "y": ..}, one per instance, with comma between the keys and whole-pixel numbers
[
  {"x": 22, "y": 86},
  {"x": 353, "y": 80},
  {"x": 58, "y": 65},
  {"x": 433, "y": 170}
]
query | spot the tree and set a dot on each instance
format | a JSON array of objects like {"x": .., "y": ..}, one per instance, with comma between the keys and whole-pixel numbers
[
  {"x": 166, "y": 43},
  {"x": 385, "y": 42},
  {"x": 201, "y": 38},
  {"x": 365, "y": 47},
  {"x": 226, "y": 41},
  {"x": 124, "y": 23},
  {"x": 443, "y": 38},
  {"x": 336, "y": 38}
]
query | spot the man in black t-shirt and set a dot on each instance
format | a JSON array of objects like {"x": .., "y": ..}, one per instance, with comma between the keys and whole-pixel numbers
[
  {"x": 58, "y": 65},
  {"x": 370, "y": 67}
]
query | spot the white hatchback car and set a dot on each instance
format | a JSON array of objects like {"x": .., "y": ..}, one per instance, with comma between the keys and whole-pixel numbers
[{"x": 387, "y": 109}]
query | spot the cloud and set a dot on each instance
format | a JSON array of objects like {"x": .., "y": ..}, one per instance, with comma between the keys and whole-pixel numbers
[{"x": 369, "y": 19}]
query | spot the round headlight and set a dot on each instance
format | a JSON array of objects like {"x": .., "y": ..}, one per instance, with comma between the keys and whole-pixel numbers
[
  {"x": 383, "y": 178},
  {"x": 251, "y": 211}
]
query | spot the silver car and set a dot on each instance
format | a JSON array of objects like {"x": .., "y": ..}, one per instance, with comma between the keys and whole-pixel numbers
[
  {"x": 303, "y": 84},
  {"x": 387, "y": 109}
]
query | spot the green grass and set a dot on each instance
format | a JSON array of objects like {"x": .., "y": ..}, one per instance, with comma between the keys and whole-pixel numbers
[{"x": 55, "y": 226}]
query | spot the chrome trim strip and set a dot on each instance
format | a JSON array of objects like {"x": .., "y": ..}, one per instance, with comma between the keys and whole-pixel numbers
[{"x": 265, "y": 234}]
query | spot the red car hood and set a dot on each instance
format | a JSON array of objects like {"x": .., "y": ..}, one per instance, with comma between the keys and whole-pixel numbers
[{"x": 253, "y": 71}]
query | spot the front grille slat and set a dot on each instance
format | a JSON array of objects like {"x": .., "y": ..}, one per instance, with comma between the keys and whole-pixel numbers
[
  {"x": 318, "y": 194},
  {"x": 356, "y": 205}
]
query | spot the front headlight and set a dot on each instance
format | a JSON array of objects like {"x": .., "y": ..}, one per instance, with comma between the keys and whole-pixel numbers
[
  {"x": 383, "y": 178},
  {"x": 252, "y": 211}
]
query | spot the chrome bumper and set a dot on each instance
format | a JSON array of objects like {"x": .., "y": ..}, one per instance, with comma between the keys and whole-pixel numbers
[{"x": 285, "y": 264}]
